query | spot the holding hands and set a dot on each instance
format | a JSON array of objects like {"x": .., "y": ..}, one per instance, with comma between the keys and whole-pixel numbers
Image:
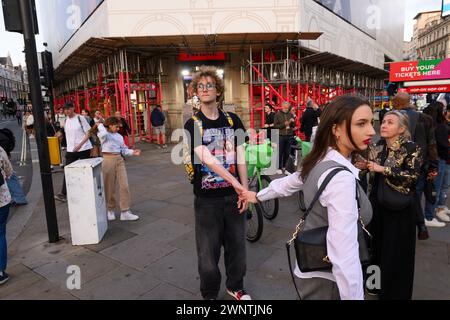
[{"x": 242, "y": 203}]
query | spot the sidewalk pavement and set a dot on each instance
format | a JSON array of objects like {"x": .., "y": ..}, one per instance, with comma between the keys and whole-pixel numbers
[{"x": 155, "y": 257}]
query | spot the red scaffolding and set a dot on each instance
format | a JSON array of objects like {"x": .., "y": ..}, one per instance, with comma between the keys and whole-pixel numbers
[{"x": 117, "y": 89}]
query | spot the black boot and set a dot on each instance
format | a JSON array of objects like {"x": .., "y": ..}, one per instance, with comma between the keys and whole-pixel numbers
[{"x": 423, "y": 232}]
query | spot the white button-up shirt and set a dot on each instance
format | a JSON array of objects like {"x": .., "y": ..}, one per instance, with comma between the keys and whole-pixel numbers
[{"x": 342, "y": 236}]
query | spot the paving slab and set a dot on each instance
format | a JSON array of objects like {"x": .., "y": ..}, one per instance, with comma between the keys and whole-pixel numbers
[
  {"x": 138, "y": 252},
  {"x": 123, "y": 283}
]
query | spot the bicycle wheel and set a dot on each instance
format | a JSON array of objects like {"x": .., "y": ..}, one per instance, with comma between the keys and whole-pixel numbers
[
  {"x": 254, "y": 223},
  {"x": 269, "y": 208}
]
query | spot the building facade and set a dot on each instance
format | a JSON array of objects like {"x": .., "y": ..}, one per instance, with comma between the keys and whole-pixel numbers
[
  {"x": 362, "y": 34},
  {"x": 13, "y": 81},
  {"x": 430, "y": 37},
  {"x": 433, "y": 36}
]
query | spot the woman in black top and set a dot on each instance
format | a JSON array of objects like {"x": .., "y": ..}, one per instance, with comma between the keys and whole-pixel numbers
[
  {"x": 394, "y": 161},
  {"x": 270, "y": 119}
]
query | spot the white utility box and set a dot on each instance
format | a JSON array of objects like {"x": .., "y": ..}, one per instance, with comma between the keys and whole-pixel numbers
[{"x": 86, "y": 201}]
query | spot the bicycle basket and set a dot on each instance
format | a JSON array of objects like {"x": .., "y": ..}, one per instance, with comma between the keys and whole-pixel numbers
[{"x": 258, "y": 155}]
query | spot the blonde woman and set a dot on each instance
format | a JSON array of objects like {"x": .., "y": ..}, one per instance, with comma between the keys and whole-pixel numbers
[{"x": 395, "y": 162}]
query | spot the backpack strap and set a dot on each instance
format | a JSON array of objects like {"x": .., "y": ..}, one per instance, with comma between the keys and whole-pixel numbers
[
  {"x": 230, "y": 120},
  {"x": 81, "y": 124},
  {"x": 198, "y": 123}
]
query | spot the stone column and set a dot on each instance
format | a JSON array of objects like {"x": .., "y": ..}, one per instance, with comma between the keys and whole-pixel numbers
[{"x": 173, "y": 95}]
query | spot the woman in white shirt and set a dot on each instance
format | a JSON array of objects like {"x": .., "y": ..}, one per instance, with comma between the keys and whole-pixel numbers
[{"x": 345, "y": 126}]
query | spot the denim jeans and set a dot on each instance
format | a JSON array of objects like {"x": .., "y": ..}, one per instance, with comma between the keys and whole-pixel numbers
[
  {"x": 16, "y": 190},
  {"x": 430, "y": 207},
  {"x": 442, "y": 200},
  {"x": 4, "y": 212},
  {"x": 217, "y": 223}
]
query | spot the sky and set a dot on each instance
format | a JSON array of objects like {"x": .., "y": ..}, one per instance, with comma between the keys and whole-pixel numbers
[
  {"x": 13, "y": 42},
  {"x": 412, "y": 7}
]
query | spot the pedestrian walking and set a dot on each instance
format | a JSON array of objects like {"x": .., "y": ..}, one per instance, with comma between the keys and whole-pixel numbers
[
  {"x": 442, "y": 197},
  {"x": 29, "y": 124},
  {"x": 75, "y": 127},
  {"x": 19, "y": 115},
  {"x": 158, "y": 122}
]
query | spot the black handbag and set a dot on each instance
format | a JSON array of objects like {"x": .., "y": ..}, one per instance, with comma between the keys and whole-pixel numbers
[
  {"x": 311, "y": 245},
  {"x": 390, "y": 198}
]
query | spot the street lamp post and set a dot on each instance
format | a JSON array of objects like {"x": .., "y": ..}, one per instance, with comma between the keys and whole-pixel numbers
[{"x": 38, "y": 113}]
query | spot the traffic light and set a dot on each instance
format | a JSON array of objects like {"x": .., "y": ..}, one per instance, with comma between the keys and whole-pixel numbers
[
  {"x": 13, "y": 19},
  {"x": 43, "y": 78},
  {"x": 46, "y": 72}
]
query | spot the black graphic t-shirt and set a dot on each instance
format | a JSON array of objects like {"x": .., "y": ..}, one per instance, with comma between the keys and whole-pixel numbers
[{"x": 220, "y": 139}]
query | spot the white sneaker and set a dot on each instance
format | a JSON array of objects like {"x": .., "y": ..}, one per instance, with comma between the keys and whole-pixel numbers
[
  {"x": 128, "y": 216},
  {"x": 111, "y": 215},
  {"x": 279, "y": 171},
  {"x": 440, "y": 213},
  {"x": 434, "y": 223},
  {"x": 444, "y": 209}
]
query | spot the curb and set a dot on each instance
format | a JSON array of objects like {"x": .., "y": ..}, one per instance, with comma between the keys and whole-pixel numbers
[{"x": 21, "y": 215}]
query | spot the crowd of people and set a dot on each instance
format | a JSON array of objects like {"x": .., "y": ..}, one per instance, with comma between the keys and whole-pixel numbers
[{"x": 379, "y": 184}]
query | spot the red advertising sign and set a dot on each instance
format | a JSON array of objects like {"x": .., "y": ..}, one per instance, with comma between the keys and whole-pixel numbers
[
  {"x": 420, "y": 70},
  {"x": 429, "y": 89},
  {"x": 202, "y": 56}
]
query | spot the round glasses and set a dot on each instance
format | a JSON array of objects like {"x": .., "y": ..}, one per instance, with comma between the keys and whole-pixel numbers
[{"x": 209, "y": 86}]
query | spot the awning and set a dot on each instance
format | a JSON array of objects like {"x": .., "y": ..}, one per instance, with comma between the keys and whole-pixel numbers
[
  {"x": 338, "y": 63},
  {"x": 97, "y": 49}
]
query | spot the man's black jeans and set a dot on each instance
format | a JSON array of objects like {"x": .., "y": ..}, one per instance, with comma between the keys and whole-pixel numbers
[
  {"x": 71, "y": 157},
  {"x": 218, "y": 222},
  {"x": 284, "y": 150}
]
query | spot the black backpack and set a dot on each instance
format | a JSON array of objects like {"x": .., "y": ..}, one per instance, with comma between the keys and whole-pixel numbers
[{"x": 7, "y": 140}]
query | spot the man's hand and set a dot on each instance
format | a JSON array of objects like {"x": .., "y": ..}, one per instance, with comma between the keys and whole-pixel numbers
[
  {"x": 240, "y": 190},
  {"x": 432, "y": 174},
  {"x": 286, "y": 123},
  {"x": 77, "y": 148},
  {"x": 136, "y": 152}
]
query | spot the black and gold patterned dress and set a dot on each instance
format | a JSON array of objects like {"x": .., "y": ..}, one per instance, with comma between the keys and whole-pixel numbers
[{"x": 394, "y": 232}]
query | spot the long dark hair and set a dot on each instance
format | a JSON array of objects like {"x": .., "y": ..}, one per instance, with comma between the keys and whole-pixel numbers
[{"x": 340, "y": 110}]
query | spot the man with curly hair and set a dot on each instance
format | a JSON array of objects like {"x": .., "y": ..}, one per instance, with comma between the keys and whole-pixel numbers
[{"x": 220, "y": 175}]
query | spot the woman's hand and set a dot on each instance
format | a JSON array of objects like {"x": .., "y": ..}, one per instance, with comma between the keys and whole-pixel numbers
[
  {"x": 136, "y": 152},
  {"x": 374, "y": 167},
  {"x": 249, "y": 196}
]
